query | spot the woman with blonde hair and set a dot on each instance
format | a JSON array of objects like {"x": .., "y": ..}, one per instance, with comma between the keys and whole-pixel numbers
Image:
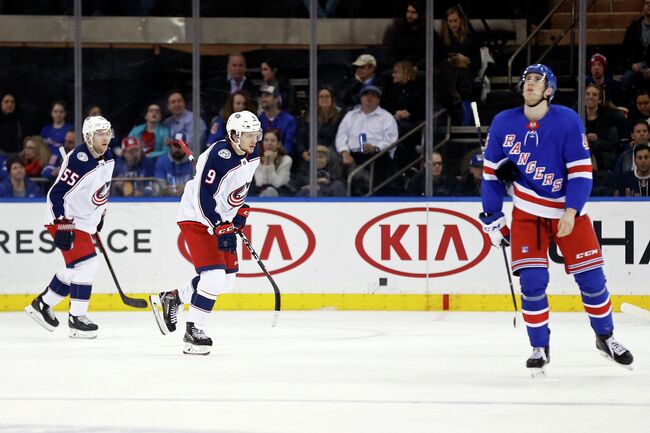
[{"x": 34, "y": 156}]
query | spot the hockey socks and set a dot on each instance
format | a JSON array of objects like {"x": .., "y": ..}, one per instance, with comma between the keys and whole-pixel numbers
[
  {"x": 534, "y": 305},
  {"x": 595, "y": 298}
]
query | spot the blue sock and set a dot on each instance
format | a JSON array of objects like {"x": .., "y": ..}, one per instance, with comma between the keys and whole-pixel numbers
[
  {"x": 595, "y": 298},
  {"x": 534, "y": 304}
]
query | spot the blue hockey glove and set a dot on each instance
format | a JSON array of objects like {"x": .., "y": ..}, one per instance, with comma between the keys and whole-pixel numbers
[
  {"x": 496, "y": 227},
  {"x": 239, "y": 221},
  {"x": 226, "y": 239},
  {"x": 64, "y": 235}
]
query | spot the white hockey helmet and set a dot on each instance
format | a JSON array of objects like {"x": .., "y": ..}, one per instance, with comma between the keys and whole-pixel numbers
[
  {"x": 243, "y": 121},
  {"x": 93, "y": 124}
]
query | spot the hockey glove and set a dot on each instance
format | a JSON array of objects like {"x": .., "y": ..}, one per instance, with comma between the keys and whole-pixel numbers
[
  {"x": 64, "y": 235},
  {"x": 494, "y": 224},
  {"x": 239, "y": 221},
  {"x": 226, "y": 239},
  {"x": 507, "y": 172},
  {"x": 100, "y": 226}
]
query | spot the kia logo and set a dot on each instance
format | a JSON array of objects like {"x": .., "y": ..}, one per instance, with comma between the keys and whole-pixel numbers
[
  {"x": 282, "y": 241},
  {"x": 406, "y": 242}
]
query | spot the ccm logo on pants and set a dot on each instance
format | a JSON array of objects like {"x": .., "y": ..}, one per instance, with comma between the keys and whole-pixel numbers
[{"x": 586, "y": 254}]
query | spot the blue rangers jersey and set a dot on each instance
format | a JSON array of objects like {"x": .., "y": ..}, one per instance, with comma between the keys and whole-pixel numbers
[
  {"x": 81, "y": 189},
  {"x": 551, "y": 155},
  {"x": 220, "y": 185}
]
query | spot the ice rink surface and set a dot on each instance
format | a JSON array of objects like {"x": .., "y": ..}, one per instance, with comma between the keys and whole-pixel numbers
[{"x": 320, "y": 372}]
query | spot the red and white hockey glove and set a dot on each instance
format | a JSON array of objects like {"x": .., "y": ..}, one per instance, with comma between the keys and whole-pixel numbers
[
  {"x": 226, "y": 239},
  {"x": 239, "y": 221},
  {"x": 496, "y": 227},
  {"x": 64, "y": 235}
]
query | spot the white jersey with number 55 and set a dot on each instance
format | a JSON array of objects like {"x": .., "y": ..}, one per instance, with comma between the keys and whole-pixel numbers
[
  {"x": 81, "y": 189},
  {"x": 220, "y": 185}
]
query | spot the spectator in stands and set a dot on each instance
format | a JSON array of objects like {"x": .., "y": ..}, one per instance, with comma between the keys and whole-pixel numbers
[
  {"x": 604, "y": 126},
  {"x": 174, "y": 169},
  {"x": 273, "y": 117},
  {"x": 328, "y": 118},
  {"x": 236, "y": 102},
  {"x": 273, "y": 175},
  {"x": 34, "y": 156},
  {"x": 94, "y": 110},
  {"x": 640, "y": 135},
  {"x": 234, "y": 80},
  {"x": 153, "y": 134},
  {"x": 54, "y": 133},
  {"x": 181, "y": 119},
  {"x": 364, "y": 75},
  {"x": 407, "y": 36},
  {"x": 470, "y": 183},
  {"x": 17, "y": 185},
  {"x": 271, "y": 77},
  {"x": 462, "y": 60},
  {"x": 641, "y": 109},
  {"x": 329, "y": 180},
  {"x": 133, "y": 164},
  {"x": 4, "y": 173},
  {"x": 635, "y": 46},
  {"x": 51, "y": 170},
  {"x": 10, "y": 126},
  {"x": 613, "y": 91},
  {"x": 443, "y": 185},
  {"x": 636, "y": 183},
  {"x": 364, "y": 131}
]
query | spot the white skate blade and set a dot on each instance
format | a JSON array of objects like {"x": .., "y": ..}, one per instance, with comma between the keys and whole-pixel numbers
[
  {"x": 192, "y": 349},
  {"x": 156, "y": 309},
  {"x": 87, "y": 335},
  {"x": 537, "y": 373},
  {"x": 36, "y": 316},
  {"x": 612, "y": 360}
]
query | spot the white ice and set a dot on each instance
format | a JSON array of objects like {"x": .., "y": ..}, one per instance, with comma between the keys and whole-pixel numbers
[{"x": 320, "y": 372}]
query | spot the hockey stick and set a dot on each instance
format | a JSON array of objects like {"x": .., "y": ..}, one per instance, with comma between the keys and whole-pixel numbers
[
  {"x": 477, "y": 122},
  {"x": 131, "y": 302},
  {"x": 246, "y": 242},
  {"x": 635, "y": 311}
]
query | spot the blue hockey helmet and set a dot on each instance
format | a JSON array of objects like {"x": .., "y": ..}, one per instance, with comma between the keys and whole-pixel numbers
[{"x": 544, "y": 71}]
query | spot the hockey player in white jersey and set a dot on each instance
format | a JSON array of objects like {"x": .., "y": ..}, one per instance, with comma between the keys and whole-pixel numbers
[
  {"x": 76, "y": 205},
  {"x": 212, "y": 211}
]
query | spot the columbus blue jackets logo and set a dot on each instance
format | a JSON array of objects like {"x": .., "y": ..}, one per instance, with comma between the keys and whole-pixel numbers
[
  {"x": 224, "y": 153},
  {"x": 101, "y": 195},
  {"x": 237, "y": 197},
  {"x": 82, "y": 157}
]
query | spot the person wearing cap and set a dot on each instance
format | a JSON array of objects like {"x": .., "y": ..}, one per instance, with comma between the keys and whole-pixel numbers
[
  {"x": 329, "y": 180},
  {"x": 133, "y": 164},
  {"x": 173, "y": 169},
  {"x": 636, "y": 49},
  {"x": 269, "y": 69},
  {"x": 364, "y": 75},
  {"x": 273, "y": 117},
  {"x": 153, "y": 134},
  {"x": 613, "y": 90},
  {"x": 470, "y": 183},
  {"x": 366, "y": 130}
]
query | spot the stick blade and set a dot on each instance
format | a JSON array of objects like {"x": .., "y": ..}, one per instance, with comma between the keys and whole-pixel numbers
[
  {"x": 134, "y": 302},
  {"x": 635, "y": 311}
]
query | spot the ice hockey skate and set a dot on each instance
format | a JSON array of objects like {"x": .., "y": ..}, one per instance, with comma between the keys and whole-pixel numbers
[
  {"x": 538, "y": 361},
  {"x": 82, "y": 327},
  {"x": 42, "y": 313},
  {"x": 614, "y": 351},
  {"x": 196, "y": 342},
  {"x": 165, "y": 309}
]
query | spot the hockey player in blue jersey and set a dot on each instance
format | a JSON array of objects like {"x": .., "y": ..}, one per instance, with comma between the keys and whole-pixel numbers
[
  {"x": 75, "y": 210},
  {"x": 540, "y": 151},
  {"x": 212, "y": 211}
]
